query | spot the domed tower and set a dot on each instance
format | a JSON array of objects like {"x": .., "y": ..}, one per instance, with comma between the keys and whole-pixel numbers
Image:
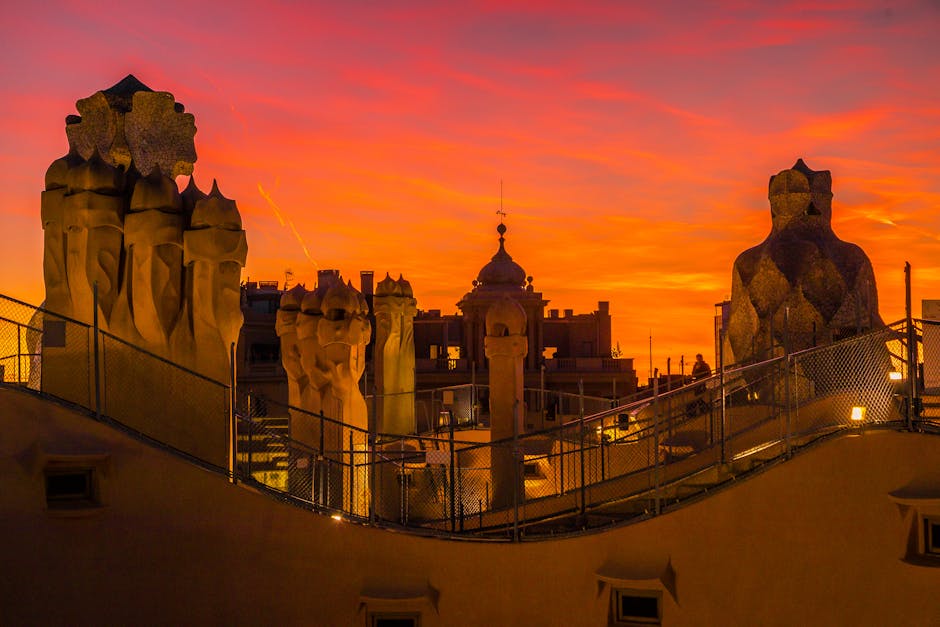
[{"x": 501, "y": 278}]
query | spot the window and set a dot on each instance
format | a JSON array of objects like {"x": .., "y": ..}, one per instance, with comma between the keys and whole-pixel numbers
[
  {"x": 921, "y": 510},
  {"x": 71, "y": 488},
  {"x": 394, "y": 619},
  {"x": 265, "y": 306},
  {"x": 635, "y": 607},
  {"x": 264, "y": 353},
  {"x": 932, "y": 536}
]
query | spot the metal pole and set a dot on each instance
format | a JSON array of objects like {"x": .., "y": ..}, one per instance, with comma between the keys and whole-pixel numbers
[
  {"x": 786, "y": 374},
  {"x": 251, "y": 428},
  {"x": 321, "y": 461},
  {"x": 401, "y": 480},
  {"x": 373, "y": 436},
  {"x": 19, "y": 354},
  {"x": 581, "y": 429},
  {"x": 453, "y": 471},
  {"x": 721, "y": 385},
  {"x": 473, "y": 393},
  {"x": 561, "y": 459},
  {"x": 911, "y": 350},
  {"x": 97, "y": 362},
  {"x": 515, "y": 477},
  {"x": 656, "y": 443},
  {"x": 352, "y": 475},
  {"x": 542, "y": 393},
  {"x": 233, "y": 445}
]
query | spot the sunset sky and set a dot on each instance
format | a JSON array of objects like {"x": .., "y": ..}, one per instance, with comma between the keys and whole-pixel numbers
[{"x": 635, "y": 140}]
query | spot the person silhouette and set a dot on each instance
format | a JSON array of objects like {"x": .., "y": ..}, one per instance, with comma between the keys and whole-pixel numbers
[{"x": 701, "y": 369}]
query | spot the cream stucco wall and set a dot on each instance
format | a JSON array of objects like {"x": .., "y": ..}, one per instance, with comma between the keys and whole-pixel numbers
[{"x": 814, "y": 541}]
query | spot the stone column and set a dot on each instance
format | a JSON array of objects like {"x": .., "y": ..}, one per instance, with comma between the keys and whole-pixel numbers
[
  {"x": 395, "y": 309},
  {"x": 506, "y": 346}
]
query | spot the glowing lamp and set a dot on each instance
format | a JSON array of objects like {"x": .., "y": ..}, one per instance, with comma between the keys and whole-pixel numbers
[
  {"x": 858, "y": 413},
  {"x": 336, "y": 517},
  {"x": 895, "y": 376}
]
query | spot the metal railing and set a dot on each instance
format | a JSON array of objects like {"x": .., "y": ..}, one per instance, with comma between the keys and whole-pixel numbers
[{"x": 596, "y": 465}]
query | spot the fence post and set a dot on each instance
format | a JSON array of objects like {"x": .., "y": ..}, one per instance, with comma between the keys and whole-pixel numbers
[
  {"x": 402, "y": 478},
  {"x": 97, "y": 372},
  {"x": 721, "y": 386},
  {"x": 911, "y": 350},
  {"x": 233, "y": 427},
  {"x": 473, "y": 393},
  {"x": 542, "y": 395},
  {"x": 453, "y": 471},
  {"x": 324, "y": 490},
  {"x": 373, "y": 436},
  {"x": 516, "y": 467},
  {"x": 19, "y": 355},
  {"x": 581, "y": 438},
  {"x": 251, "y": 428},
  {"x": 561, "y": 460},
  {"x": 352, "y": 475},
  {"x": 656, "y": 442},
  {"x": 786, "y": 376}
]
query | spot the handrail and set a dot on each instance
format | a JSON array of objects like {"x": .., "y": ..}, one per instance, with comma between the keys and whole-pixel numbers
[{"x": 364, "y": 477}]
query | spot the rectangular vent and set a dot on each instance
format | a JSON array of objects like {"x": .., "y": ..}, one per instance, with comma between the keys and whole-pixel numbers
[
  {"x": 636, "y": 607},
  {"x": 70, "y": 488},
  {"x": 394, "y": 620},
  {"x": 932, "y": 536}
]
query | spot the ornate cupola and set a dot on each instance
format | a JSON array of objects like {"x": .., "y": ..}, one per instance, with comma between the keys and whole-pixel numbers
[{"x": 501, "y": 273}]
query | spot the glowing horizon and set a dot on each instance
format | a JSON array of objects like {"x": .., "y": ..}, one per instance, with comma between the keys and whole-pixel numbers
[{"x": 635, "y": 142}]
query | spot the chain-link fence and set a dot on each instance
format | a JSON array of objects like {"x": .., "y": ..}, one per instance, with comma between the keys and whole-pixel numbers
[
  {"x": 847, "y": 384},
  {"x": 590, "y": 464},
  {"x": 20, "y": 343},
  {"x": 163, "y": 400},
  {"x": 929, "y": 359}
]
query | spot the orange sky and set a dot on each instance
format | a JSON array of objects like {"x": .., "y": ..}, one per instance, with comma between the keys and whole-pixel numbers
[{"x": 635, "y": 142}]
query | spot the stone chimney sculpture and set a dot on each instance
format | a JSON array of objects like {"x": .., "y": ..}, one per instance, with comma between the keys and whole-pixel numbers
[
  {"x": 827, "y": 284},
  {"x": 395, "y": 309},
  {"x": 324, "y": 333},
  {"x": 506, "y": 346},
  {"x": 326, "y": 336},
  {"x": 167, "y": 266}
]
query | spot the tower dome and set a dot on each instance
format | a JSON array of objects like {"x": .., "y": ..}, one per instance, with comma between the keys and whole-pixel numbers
[{"x": 501, "y": 272}]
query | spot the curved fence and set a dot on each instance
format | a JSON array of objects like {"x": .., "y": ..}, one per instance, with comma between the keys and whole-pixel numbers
[{"x": 590, "y": 466}]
